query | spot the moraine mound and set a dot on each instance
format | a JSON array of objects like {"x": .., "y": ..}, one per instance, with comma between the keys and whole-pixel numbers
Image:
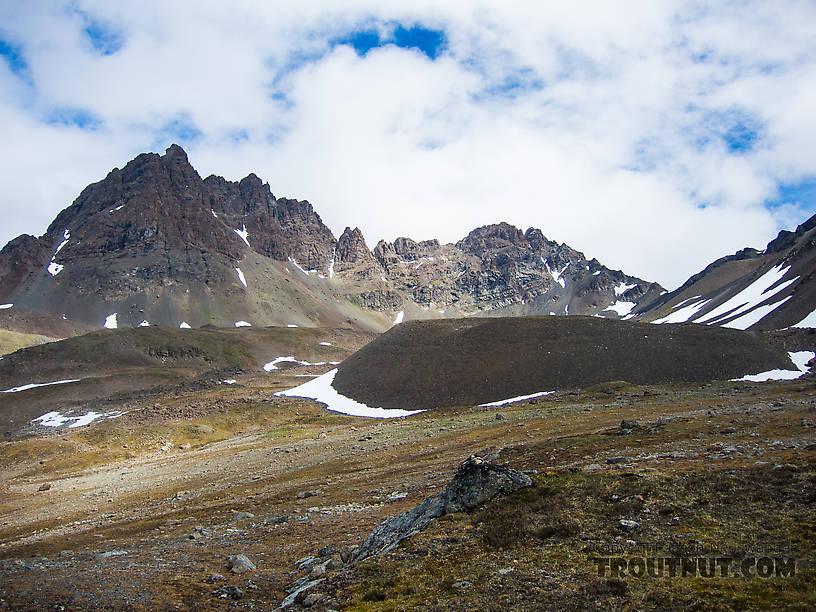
[{"x": 427, "y": 364}]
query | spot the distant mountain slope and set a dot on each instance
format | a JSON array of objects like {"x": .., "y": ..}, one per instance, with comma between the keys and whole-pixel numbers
[
  {"x": 155, "y": 244},
  {"x": 762, "y": 290},
  {"x": 426, "y": 364}
]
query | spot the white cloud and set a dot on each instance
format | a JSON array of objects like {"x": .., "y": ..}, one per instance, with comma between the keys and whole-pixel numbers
[{"x": 599, "y": 124}]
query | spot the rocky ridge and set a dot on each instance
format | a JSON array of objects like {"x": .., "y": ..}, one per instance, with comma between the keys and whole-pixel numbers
[
  {"x": 763, "y": 290},
  {"x": 154, "y": 243}
]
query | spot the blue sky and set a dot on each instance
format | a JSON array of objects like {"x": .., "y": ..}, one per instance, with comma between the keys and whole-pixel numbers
[{"x": 628, "y": 131}]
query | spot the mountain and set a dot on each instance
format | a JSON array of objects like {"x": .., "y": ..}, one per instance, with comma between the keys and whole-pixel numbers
[
  {"x": 762, "y": 290},
  {"x": 155, "y": 244}
]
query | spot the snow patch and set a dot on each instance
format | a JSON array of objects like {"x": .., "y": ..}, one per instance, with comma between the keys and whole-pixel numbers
[
  {"x": 331, "y": 263},
  {"x": 325, "y": 344},
  {"x": 54, "y": 268},
  {"x": 273, "y": 365},
  {"x": 110, "y": 321},
  {"x": 213, "y": 213},
  {"x": 320, "y": 389},
  {"x": 747, "y": 320},
  {"x": 291, "y": 325},
  {"x": 66, "y": 235},
  {"x": 241, "y": 276},
  {"x": 623, "y": 288},
  {"x": 294, "y": 263},
  {"x": 683, "y": 314},
  {"x": 799, "y": 359},
  {"x": 622, "y": 308},
  {"x": 244, "y": 234},
  {"x": 751, "y": 296},
  {"x": 400, "y": 316},
  {"x": 808, "y": 321},
  {"x": 85, "y": 419},
  {"x": 557, "y": 276},
  {"x": 516, "y": 399},
  {"x": 4, "y": 306},
  {"x": 57, "y": 419},
  {"x": 120, "y": 207},
  {"x": 184, "y": 325},
  {"x": 144, "y": 323},
  {"x": 229, "y": 381},
  {"x": 242, "y": 324},
  {"x": 35, "y": 385}
]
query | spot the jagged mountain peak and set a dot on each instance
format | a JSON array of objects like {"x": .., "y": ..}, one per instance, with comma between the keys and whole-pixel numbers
[{"x": 155, "y": 240}]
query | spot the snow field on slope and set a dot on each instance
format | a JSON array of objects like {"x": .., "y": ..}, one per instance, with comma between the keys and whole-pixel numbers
[
  {"x": 57, "y": 419},
  {"x": 808, "y": 321},
  {"x": 751, "y": 296},
  {"x": 799, "y": 359},
  {"x": 244, "y": 234},
  {"x": 320, "y": 389},
  {"x": 622, "y": 308},
  {"x": 241, "y": 277},
  {"x": 758, "y": 313},
  {"x": 273, "y": 365},
  {"x": 35, "y": 385},
  {"x": 681, "y": 315},
  {"x": 515, "y": 399}
]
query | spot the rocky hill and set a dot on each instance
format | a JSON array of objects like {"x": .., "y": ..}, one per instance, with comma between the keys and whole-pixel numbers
[
  {"x": 155, "y": 244},
  {"x": 770, "y": 289},
  {"x": 430, "y": 364}
]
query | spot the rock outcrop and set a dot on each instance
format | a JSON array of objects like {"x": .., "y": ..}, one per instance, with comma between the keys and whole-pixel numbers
[{"x": 476, "y": 482}]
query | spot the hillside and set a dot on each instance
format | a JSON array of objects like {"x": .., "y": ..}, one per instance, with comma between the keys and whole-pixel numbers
[
  {"x": 144, "y": 511},
  {"x": 109, "y": 372},
  {"x": 770, "y": 289},
  {"x": 426, "y": 364}
]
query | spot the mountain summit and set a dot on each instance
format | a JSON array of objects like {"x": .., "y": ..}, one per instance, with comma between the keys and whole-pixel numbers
[{"x": 154, "y": 243}]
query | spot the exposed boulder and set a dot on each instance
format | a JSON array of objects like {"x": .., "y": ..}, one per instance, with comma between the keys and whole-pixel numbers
[{"x": 476, "y": 481}]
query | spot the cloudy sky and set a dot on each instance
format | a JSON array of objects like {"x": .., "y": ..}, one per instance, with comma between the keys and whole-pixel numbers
[{"x": 655, "y": 136}]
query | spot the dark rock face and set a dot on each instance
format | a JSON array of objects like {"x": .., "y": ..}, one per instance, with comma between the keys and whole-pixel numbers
[
  {"x": 19, "y": 260},
  {"x": 476, "y": 482}
]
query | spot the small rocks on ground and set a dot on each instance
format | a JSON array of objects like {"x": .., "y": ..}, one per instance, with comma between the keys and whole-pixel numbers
[
  {"x": 45, "y": 487},
  {"x": 628, "y": 525},
  {"x": 228, "y": 592}
]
